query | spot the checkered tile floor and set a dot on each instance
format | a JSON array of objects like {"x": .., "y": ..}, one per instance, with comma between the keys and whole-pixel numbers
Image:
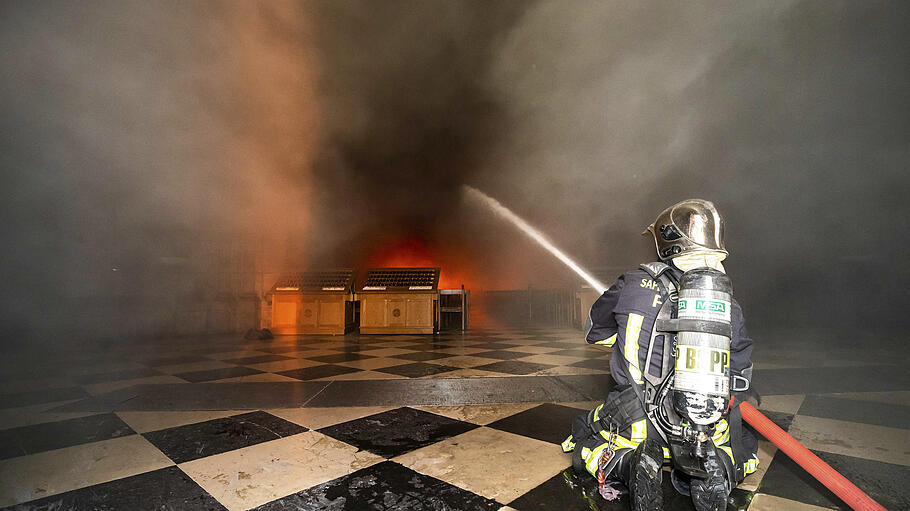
[
  {"x": 325, "y": 358},
  {"x": 491, "y": 456}
]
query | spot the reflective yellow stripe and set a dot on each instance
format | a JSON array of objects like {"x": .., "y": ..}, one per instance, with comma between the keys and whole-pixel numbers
[
  {"x": 721, "y": 433},
  {"x": 620, "y": 441},
  {"x": 639, "y": 431},
  {"x": 728, "y": 451},
  {"x": 750, "y": 466},
  {"x": 592, "y": 461},
  {"x": 666, "y": 453},
  {"x": 633, "y": 331},
  {"x": 568, "y": 445},
  {"x": 626, "y": 444},
  {"x": 608, "y": 341}
]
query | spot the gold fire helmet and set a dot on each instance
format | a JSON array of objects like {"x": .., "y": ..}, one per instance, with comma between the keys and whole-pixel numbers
[{"x": 693, "y": 225}]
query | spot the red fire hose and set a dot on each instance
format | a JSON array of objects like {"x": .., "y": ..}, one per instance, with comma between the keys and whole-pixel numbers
[{"x": 847, "y": 491}]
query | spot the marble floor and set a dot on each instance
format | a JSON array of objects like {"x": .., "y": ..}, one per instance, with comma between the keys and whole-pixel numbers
[{"x": 456, "y": 421}]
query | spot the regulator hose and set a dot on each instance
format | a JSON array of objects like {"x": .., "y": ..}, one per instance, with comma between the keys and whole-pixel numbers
[{"x": 832, "y": 479}]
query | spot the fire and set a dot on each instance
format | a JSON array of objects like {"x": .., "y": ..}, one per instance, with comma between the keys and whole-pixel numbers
[
  {"x": 414, "y": 251},
  {"x": 463, "y": 263},
  {"x": 460, "y": 263}
]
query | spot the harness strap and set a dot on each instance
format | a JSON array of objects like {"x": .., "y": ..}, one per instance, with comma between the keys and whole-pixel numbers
[
  {"x": 621, "y": 410},
  {"x": 735, "y": 422},
  {"x": 669, "y": 293},
  {"x": 645, "y": 403},
  {"x": 694, "y": 325},
  {"x": 646, "y": 396}
]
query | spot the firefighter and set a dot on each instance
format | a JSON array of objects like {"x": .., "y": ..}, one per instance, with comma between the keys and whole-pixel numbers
[{"x": 618, "y": 442}]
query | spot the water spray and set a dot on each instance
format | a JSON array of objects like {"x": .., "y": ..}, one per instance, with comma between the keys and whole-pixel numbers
[{"x": 534, "y": 234}]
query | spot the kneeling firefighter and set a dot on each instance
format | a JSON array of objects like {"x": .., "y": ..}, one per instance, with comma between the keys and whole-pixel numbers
[{"x": 681, "y": 356}]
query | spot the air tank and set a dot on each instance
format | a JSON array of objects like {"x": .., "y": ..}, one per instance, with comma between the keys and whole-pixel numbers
[{"x": 702, "y": 380}]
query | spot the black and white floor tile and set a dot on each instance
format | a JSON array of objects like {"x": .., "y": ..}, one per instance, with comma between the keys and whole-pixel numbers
[{"x": 454, "y": 421}]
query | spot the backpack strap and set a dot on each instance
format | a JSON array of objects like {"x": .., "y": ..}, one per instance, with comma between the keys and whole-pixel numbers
[
  {"x": 647, "y": 392},
  {"x": 740, "y": 456},
  {"x": 669, "y": 292}
]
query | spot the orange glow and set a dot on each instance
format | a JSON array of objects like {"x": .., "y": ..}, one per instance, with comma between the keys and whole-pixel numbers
[
  {"x": 462, "y": 263},
  {"x": 416, "y": 252},
  {"x": 457, "y": 268}
]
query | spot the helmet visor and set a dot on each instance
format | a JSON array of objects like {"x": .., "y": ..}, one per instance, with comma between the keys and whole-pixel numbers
[{"x": 700, "y": 223}]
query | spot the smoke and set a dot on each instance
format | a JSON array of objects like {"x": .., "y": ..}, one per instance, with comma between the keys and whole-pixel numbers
[
  {"x": 407, "y": 119},
  {"x": 588, "y": 121},
  {"x": 189, "y": 145},
  {"x": 145, "y": 146},
  {"x": 789, "y": 116}
]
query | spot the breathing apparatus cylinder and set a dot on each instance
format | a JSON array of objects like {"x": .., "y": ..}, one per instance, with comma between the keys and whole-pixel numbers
[{"x": 701, "y": 387}]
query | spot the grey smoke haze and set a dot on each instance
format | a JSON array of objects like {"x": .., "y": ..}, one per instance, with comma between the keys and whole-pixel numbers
[
  {"x": 791, "y": 117},
  {"x": 141, "y": 142},
  {"x": 135, "y": 135}
]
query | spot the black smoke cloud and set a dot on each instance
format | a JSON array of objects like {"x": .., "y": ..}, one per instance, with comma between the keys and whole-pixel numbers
[{"x": 407, "y": 119}]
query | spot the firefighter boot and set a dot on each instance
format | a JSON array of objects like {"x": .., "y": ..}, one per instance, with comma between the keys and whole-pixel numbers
[
  {"x": 644, "y": 475},
  {"x": 711, "y": 493}
]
